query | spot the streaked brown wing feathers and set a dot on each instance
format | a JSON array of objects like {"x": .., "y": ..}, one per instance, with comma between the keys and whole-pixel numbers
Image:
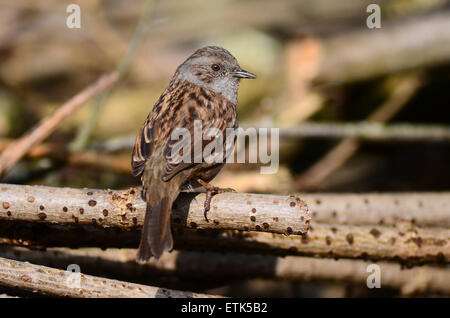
[
  {"x": 220, "y": 116},
  {"x": 179, "y": 109}
]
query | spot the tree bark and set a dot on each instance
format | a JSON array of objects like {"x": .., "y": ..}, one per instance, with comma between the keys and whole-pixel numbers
[
  {"x": 126, "y": 209},
  {"x": 55, "y": 282},
  {"x": 429, "y": 209},
  {"x": 406, "y": 243},
  {"x": 120, "y": 263},
  {"x": 409, "y": 245}
]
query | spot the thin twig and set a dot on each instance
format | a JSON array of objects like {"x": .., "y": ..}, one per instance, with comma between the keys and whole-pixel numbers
[
  {"x": 56, "y": 282},
  {"x": 368, "y": 131},
  {"x": 48, "y": 125}
]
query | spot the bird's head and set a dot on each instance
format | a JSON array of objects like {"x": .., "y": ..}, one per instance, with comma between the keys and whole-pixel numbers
[{"x": 214, "y": 68}]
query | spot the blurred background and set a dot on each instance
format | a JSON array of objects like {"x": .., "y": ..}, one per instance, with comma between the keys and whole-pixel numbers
[{"x": 323, "y": 76}]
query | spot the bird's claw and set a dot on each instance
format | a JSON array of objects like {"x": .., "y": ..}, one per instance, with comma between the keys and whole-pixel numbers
[{"x": 210, "y": 192}]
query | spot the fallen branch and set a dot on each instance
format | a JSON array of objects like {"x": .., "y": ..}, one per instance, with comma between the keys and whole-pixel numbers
[
  {"x": 409, "y": 245},
  {"x": 114, "y": 211},
  {"x": 194, "y": 265},
  {"x": 55, "y": 282},
  {"x": 422, "y": 209},
  {"x": 18, "y": 149},
  {"x": 126, "y": 209}
]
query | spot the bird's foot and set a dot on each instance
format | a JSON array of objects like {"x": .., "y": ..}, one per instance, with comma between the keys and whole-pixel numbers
[{"x": 210, "y": 192}]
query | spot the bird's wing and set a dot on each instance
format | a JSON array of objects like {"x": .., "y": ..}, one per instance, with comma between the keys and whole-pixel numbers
[
  {"x": 142, "y": 148},
  {"x": 219, "y": 119},
  {"x": 148, "y": 137},
  {"x": 179, "y": 109}
]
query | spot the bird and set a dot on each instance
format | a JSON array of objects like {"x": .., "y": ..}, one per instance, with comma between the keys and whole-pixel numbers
[{"x": 204, "y": 87}]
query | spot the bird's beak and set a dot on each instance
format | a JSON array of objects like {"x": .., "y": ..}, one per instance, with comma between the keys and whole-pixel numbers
[{"x": 242, "y": 74}]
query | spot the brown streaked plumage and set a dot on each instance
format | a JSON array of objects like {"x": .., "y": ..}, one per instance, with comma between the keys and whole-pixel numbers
[{"x": 203, "y": 88}]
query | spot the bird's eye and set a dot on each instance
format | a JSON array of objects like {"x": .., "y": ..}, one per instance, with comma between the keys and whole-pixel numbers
[{"x": 215, "y": 67}]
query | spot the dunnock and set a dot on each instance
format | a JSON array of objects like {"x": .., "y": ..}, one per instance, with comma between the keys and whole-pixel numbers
[{"x": 203, "y": 88}]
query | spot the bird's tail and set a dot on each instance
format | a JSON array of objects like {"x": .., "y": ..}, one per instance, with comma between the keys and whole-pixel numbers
[{"x": 156, "y": 234}]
